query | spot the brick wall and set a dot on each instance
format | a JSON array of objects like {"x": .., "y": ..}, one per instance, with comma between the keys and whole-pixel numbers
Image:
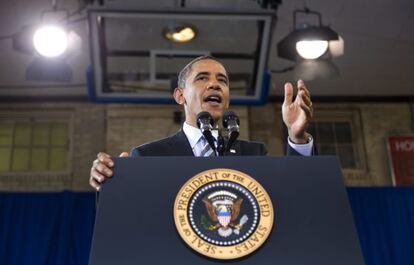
[
  {"x": 381, "y": 121},
  {"x": 132, "y": 125},
  {"x": 87, "y": 126},
  {"x": 377, "y": 121},
  {"x": 116, "y": 128}
]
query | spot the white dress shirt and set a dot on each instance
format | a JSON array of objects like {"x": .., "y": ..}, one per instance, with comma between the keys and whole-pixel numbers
[
  {"x": 303, "y": 149},
  {"x": 194, "y": 134}
]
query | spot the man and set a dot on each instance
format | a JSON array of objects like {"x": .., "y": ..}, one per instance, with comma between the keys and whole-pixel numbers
[{"x": 203, "y": 85}]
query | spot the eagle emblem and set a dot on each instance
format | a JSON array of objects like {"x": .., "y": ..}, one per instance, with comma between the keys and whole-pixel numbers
[
  {"x": 218, "y": 209},
  {"x": 223, "y": 209}
]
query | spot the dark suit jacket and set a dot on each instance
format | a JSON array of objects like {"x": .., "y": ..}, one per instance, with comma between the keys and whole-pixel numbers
[{"x": 178, "y": 145}]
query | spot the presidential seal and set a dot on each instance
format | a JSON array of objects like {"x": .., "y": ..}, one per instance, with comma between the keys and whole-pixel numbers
[{"x": 223, "y": 214}]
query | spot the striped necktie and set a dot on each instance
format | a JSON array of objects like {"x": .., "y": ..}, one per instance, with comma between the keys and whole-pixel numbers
[{"x": 206, "y": 151}]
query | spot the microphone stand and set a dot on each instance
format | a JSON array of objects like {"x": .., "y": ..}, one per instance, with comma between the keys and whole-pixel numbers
[{"x": 231, "y": 122}]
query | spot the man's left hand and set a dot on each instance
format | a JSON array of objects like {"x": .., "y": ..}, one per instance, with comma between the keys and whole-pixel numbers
[{"x": 297, "y": 114}]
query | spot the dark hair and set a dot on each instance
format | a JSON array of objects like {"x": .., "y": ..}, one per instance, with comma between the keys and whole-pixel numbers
[{"x": 182, "y": 76}]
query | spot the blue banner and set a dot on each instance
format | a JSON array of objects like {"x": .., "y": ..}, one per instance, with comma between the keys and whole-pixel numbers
[{"x": 56, "y": 228}]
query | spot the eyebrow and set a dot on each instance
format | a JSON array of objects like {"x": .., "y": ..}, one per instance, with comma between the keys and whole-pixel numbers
[{"x": 208, "y": 73}]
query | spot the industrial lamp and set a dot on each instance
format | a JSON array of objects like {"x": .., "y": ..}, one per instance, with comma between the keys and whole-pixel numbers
[
  {"x": 180, "y": 34},
  {"x": 309, "y": 42},
  {"x": 50, "y": 38},
  {"x": 51, "y": 43}
]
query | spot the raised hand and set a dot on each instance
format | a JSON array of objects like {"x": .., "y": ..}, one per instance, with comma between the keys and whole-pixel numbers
[
  {"x": 297, "y": 114},
  {"x": 102, "y": 169}
]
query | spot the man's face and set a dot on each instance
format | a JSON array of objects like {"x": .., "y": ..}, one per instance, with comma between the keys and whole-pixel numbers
[{"x": 206, "y": 89}]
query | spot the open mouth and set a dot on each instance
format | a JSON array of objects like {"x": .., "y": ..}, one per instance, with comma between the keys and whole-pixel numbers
[{"x": 213, "y": 98}]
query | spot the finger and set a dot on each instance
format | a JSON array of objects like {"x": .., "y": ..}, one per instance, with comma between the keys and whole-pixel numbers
[
  {"x": 104, "y": 170},
  {"x": 288, "y": 94},
  {"x": 301, "y": 86},
  {"x": 305, "y": 98},
  {"x": 307, "y": 110},
  {"x": 94, "y": 184},
  {"x": 106, "y": 159},
  {"x": 124, "y": 154},
  {"x": 97, "y": 176}
]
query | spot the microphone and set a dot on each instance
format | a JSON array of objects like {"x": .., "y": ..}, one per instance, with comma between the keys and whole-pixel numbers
[
  {"x": 205, "y": 122},
  {"x": 231, "y": 122}
]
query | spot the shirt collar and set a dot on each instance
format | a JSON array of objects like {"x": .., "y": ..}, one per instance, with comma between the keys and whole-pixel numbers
[{"x": 194, "y": 134}]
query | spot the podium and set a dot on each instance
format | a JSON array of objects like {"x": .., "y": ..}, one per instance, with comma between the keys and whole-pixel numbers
[{"x": 312, "y": 221}]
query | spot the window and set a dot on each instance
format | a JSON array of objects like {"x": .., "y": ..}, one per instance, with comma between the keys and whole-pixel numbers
[
  {"x": 335, "y": 138},
  {"x": 34, "y": 145},
  {"x": 339, "y": 132}
]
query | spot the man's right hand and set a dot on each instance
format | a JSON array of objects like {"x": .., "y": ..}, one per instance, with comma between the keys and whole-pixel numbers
[{"x": 102, "y": 169}]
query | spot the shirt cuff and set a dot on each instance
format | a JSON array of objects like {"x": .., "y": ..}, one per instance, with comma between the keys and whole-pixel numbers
[{"x": 303, "y": 149}]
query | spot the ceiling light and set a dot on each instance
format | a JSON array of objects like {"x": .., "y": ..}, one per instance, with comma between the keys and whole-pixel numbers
[
  {"x": 308, "y": 42},
  {"x": 50, "y": 41},
  {"x": 180, "y": 34},
  {"x": 311, "y": 49}
]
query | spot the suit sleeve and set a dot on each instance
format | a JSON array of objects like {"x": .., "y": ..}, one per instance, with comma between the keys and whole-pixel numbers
[{"x": 291, "y": 151}]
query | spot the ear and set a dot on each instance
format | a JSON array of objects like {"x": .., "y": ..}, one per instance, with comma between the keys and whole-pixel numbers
[{"x": 179, "y": 96}]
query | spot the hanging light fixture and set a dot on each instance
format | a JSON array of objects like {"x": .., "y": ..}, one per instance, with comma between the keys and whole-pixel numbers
[
  {"x": 180, "y": 34},
  {"x": 311, "y": 49},
  {"x": 309, "y": 42},
  {"x": 50, "y": 40}
]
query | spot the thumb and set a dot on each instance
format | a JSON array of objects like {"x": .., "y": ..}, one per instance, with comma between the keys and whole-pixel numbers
[
  {"x": 288, "y": 94},
  {"x": 124, "y": 154}
]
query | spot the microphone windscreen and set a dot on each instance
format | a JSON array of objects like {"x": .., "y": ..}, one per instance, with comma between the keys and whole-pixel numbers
[
  {"x": 204, "y": 115},
  {"x": 229, "y": 115}
]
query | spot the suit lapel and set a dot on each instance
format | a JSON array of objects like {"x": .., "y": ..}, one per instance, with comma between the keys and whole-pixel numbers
[{"x": 179, "y": 145}]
